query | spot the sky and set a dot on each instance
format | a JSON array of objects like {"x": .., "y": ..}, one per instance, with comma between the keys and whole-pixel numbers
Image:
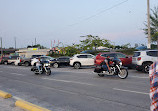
[{"x": 120, "y": 21}]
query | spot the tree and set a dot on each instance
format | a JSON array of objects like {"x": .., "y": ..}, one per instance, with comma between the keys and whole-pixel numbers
[
  {"x": 93, "y": 41},
  {"x": 71, "y": 50},
  {"x": 153, "y": 25},
  {"x": 36, "y": 46}
]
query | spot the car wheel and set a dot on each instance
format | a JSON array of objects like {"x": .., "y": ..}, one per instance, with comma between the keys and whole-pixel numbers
[
  {"x": 146, "y": 67},
  {"x": 5, "y": 62},
  {"x": 55, "y": 65},
  {"x": 77, "y": 65},
  {"x": 27, "y": 64}
]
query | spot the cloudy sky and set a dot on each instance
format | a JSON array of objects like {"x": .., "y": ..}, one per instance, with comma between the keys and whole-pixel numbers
[{"x": 120, "y": 21}]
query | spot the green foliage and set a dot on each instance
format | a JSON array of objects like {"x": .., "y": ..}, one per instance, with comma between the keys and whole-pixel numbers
[
  {"x": 153, "y": 25},
  {"x": 36, "y": 46},
  {"x": 71, "y": 50},
  {"x": 93, "y": 41}
]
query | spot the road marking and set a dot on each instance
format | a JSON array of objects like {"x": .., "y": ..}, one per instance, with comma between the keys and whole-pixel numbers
[
  {"x": 17, "y": 74},
  {"x": 131, "y": 91},
  {"x": 17, "y": 98},
  {"x": 140, "y": 77},
  {"x": 69, "y": 81}
]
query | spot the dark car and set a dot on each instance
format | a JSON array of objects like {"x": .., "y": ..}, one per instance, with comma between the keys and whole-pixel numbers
[
  {"x": 126, "y": 61},
  {"x": 61, "y": 61}
]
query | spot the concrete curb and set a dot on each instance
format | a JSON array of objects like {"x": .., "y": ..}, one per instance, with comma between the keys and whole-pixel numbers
[
  {"x": 29, "y": 106},
  {"x": 5, "y": 95}
]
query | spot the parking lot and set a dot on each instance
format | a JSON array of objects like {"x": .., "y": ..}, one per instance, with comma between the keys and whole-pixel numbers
[{"x": 69, "y": 89}]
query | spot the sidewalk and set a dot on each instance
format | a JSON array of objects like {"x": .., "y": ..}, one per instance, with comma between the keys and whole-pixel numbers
[{"x": 8, "y": 105}]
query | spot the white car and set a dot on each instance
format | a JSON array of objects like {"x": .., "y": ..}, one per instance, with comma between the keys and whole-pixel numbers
[
  {"x": 79, "y": 60},
  {"x": 143, "y": 59}
]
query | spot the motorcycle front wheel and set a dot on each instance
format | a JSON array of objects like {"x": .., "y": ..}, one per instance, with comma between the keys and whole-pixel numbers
[
  {"x": 48, "y": 72},
  {"x": 123, "y": 74}
]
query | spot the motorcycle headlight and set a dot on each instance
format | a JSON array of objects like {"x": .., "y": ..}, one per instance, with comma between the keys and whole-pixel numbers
[
  {"x": 46, "y": 64},
  {"x": 120, "y": 63}
]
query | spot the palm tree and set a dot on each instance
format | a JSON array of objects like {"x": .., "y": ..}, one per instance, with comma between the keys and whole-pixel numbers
[{"x": 153, "y": 25}]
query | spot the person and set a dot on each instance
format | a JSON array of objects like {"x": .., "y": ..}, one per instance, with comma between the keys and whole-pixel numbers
[
  {"x": 153, "y": 74},
  {"x": 38, "y": 64},
  {"x": 106, "y": 63}
]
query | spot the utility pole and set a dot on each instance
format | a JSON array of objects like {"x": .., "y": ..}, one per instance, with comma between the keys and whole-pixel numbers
[
  {"x": 35, "y": 41},
  {"x": 15, "y": 42},
  {"x": 149, "y": 30},
  {"x": 1, "y": 49}
]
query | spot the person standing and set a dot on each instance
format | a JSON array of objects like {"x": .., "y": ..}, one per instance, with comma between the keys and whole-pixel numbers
[{"x": 153, "y": 74}]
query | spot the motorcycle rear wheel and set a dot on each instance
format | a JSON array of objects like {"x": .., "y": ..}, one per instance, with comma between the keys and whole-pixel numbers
[{"x": 123, "y": 74}]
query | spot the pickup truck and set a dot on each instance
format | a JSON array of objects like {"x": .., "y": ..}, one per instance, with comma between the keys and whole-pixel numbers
[{"x": 27, "y": 61}]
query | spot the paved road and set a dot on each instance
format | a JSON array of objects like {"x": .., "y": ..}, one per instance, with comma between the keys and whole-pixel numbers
[{"x": 68, "y": 89}]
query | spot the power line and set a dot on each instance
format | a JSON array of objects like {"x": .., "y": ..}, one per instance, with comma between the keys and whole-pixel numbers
[{"x": 103, "y": 11}]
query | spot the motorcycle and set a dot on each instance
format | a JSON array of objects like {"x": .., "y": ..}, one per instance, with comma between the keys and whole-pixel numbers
[
  {"x": 44, "y": 68},
  {"x": 116, "y": 68}
]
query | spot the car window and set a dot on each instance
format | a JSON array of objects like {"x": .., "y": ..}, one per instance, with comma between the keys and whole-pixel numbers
[
  {"x": 112, "y": 55},
  {"x": 82, "y": 56},
  {"x": 152, "y": 53},
  {"x": 104, "y": 55},
  {"x": 89, "y": 56},
  {"x": 136, "y": 54},
  {"x": 121, "y": 55}
]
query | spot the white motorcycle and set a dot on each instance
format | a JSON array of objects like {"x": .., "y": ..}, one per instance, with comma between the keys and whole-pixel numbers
[{"x": 44, "y": 68}]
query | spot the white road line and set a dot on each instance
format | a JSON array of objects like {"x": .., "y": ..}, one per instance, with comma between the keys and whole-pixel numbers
[
  {"x": 17, "y": 98},
  {"x": 139, "y": 77},
  {"x": 17, "y": 74},
  {"x": 69, "y": 81},
  {"x": 131, "y": 91},
  {"x": 73, "y": 71}
]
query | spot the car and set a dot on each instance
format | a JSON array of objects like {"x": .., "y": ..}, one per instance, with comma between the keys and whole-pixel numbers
[
  {"x": 60, "y": 61},
  {"x": 10, "y": 60},
  {"x": 2, "y": 59},
  {"x": 126, "y": 61},
  {"x": 143, "y": 59},
  {"x": 80, "y": 60},
  {"x": 42, "y": 58},
  {"x": 27, "y": 61}
]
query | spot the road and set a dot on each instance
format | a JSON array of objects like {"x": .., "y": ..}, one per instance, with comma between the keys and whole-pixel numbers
[{"x": 69, "y": 89}]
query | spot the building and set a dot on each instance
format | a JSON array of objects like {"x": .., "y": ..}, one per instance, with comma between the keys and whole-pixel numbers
[{"x": 28, "y": 52}]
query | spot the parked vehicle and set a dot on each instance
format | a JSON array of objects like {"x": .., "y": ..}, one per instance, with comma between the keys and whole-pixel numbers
[
  {"x": 60, "y": 61},
  {"x": 27, "y": 61},
  {"x": 10, "y": 60},
  {"x": 143, "y": 59},
  {"x": 2, "y": 59},
  {"x": 80, "y": 60},
  {"x": 44, "y": 68},
  {"x": 126, "y": 61},
  {"x": 116, "y": 68},
  {"x": 42, "y": 58}
]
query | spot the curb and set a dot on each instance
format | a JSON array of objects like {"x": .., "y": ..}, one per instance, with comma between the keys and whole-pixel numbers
[
  {"x": 5, "y": 95},
  {"x": 29, "y": 106}
]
